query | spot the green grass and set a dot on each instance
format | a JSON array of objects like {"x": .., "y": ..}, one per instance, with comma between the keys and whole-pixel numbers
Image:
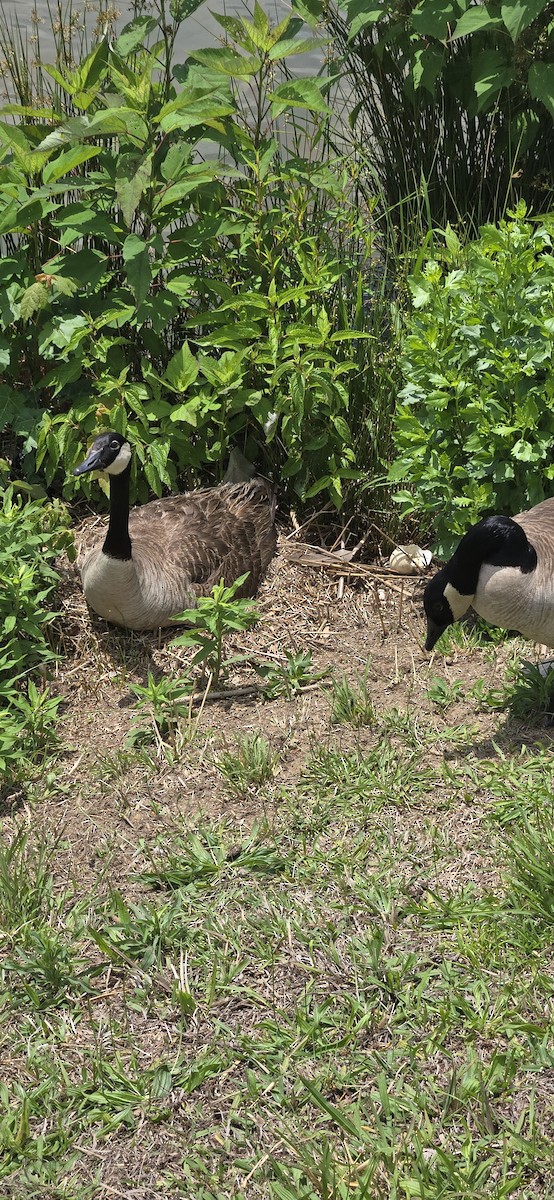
[
  {"x": 247, "y": 767},
  {"x": 334, "y": 1004}
]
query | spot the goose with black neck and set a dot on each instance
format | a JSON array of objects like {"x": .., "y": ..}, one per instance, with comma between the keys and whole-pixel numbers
[
  {"x": 504, "y": 569},
  {"x": 156, "y": 560}
]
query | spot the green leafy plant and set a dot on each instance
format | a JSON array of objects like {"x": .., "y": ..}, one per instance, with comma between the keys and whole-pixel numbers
[
  {"x": 31, "y": 534},
  {"x": 291, "y": 676},
  {"x": 527, "y": 693},
  {"x": 46, "y": 970},
  {"x": 201, "y": 859},
  {"x": 444, "y": 694},
  {"x": 532, "y": 690},
  {"x": 216, "y": 616},
  {"x": 161, "y": 706},
  {"x": 474, "y": 432},
  {"x": 249, "y": 765},
  {"x": 139, "y": 932}
]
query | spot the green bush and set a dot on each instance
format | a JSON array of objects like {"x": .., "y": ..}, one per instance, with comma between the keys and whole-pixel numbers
[
  {"x": 30, "y": 537},
  {"x": 452, "y": 103},
  {"x": 175, "y": 270},
  {"x": 474, "y": 432}
]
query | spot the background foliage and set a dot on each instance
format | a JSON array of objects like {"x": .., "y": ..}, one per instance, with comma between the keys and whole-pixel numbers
[
  {"x": 31, "y": 535},
  {"x": 474, "y": 431},
  {"x": 172, "y": 268},
  {"x": 452, "y": 104}
]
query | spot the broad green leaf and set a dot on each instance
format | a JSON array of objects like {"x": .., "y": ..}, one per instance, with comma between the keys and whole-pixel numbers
[
  {"x": 63, "y": 374},
  {"x": 66, "y": 162},
  {"x": 132, "y": 176},
  {"x": 186, "y": 412},
  {"x": 517, "y": 15},
  {"x": 176, "y": 160},
  {"x": 29, "y": 159},
  {"x": 198, "y": 174},
  {"x": 27, "y": 110},
  {"x": 361, "y": 15},
  {"x": 541, "y": 84},
  {"x": 25, "y": 214},
  {"x": 85, "y": 267},
  {"x": 182, "y": 369},
  {"x": 452, "y": 240},
  {"x": 181, "y": 9},
  {"x": 55, "y": 74},
  {"x": 312, "y": 12},
  {"x": 181, "y": 284},
  {"x": 523, "y": 451},
  {"x": 9, "y": 217},
  {"x": 427, "y": 65},
  {"x": 133, "y": 35},
  {"x": 122, "y": 121},
  {"x": 137, "y": 266},
  {"x": 88, "y": 75},
  {"x": 227, "y": 62},
  {"x": 292, "y": 46},
  {"x": 197, "y": 112},
  {"x": 490, "y": 73},
  {"x": 476, "y": 18},
  {"x": 67, "y": 287},
  {"x": 33, "y": 300},
  {"x": 435, "y": 18},
  {"x": 301, "y": 93},
  {"x": 261, "y": 20},
  {"x": 106, "y": 123},
  {"x": 231, "y": 25}
]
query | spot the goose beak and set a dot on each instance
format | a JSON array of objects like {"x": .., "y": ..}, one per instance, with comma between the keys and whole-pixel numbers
[
  {"x": 434, "y": 632},
  {"x": 91, "y": 463}
]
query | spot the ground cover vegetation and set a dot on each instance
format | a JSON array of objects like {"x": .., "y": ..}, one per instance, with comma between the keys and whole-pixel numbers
[
  {"x": 300, "y": 948},
  {"x": 276, "y": 893}
]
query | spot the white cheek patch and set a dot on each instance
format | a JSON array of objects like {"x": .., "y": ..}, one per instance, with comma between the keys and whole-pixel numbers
[
  {"x": 458, "y": 604},
  {"x": 121, "y": 462}
]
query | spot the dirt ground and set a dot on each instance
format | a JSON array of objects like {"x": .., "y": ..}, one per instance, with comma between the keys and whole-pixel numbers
[{"x": 370, "y": 625}]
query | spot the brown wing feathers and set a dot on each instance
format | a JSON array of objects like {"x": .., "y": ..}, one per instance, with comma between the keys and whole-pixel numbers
[{"x": 212, "y": 533}]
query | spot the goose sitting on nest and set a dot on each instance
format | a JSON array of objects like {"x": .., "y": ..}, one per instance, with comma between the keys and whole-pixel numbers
[
  {"x": 504, "y": 568},
  {"x": 158, "y": 559}
]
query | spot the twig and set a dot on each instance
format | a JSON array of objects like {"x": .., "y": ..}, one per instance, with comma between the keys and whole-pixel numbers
[
  {"x": 247, "y": 689},
  {"x": 378, "y": 606},
  {"x": 401, "y": 605},
  {"x": 340, "y": 539},
  {"x": 306, "y": 524}
]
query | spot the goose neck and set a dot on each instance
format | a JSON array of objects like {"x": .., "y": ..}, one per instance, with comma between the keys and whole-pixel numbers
[{"x": 118, "y": 543}]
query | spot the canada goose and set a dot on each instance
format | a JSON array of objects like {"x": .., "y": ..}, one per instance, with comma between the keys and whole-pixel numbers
[
  {"x": 504, "y": 567},
  {"x": 157, "y": 560}
]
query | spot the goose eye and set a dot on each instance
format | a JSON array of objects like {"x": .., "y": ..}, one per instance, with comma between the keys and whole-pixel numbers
[{"x": 114, "y": 445}]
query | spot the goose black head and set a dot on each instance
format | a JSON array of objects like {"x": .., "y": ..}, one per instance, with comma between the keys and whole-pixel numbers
[
  {"x": 438, "y": 598},
  {"x": 498, "y": 541},
  {"x": 109, "y": 452}
]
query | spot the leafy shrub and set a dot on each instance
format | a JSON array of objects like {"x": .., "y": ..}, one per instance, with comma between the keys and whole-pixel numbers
[
  {"x": 474, "y": 431},
  {"x": 30, "y": 536},
  {"x": 172, "y": 271},
  {"x": 453, "y": 103}
]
